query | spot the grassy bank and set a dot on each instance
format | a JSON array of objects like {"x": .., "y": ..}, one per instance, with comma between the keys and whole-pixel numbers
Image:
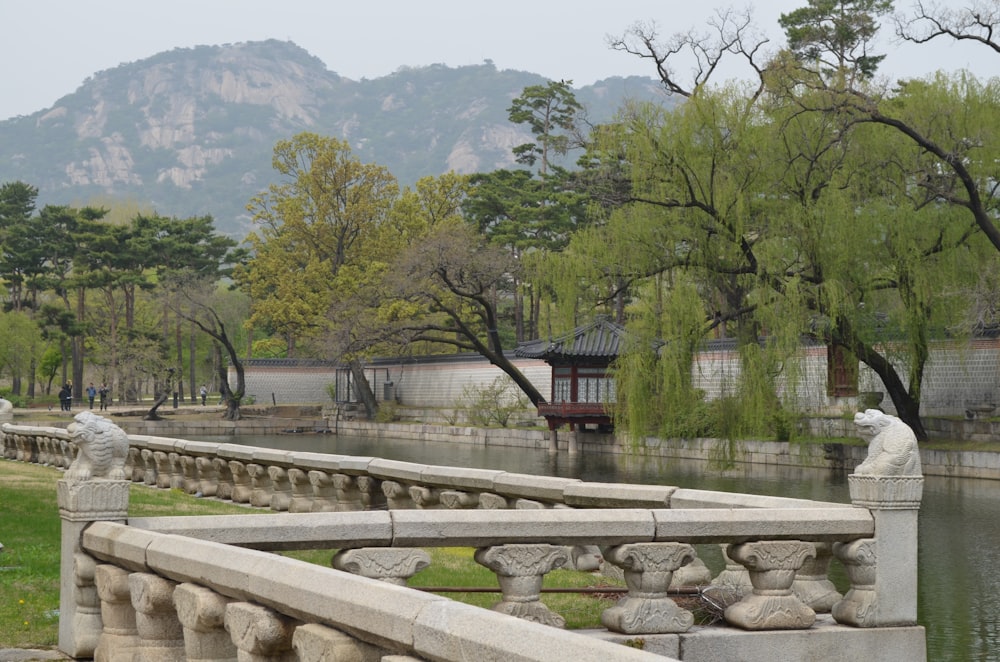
[{"x": 29, "y": 564}]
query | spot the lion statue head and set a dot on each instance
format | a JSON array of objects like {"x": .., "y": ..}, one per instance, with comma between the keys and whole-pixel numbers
[{"x": 102, "y": 448}]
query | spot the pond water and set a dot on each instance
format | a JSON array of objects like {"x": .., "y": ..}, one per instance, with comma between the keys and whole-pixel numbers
[{"x": 959, "y": 537}]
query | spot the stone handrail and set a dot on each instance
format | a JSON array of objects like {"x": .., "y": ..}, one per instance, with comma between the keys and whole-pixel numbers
[
  {"x": 380, "y": 513},
  {"x": 308, "y": 482}
]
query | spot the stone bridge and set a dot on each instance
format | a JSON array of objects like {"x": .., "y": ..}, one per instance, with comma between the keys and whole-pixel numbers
[{"x": 210, "y": 587}]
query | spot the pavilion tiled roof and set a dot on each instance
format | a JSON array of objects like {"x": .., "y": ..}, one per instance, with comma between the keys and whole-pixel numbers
[{"x": 601, "y": 339}]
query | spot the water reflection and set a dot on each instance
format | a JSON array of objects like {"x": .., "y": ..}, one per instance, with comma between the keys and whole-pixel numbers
[{"x": 959, "y": 587}]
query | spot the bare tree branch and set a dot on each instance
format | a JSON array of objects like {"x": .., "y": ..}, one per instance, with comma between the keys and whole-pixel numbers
[{"x": 978, "y": 22}]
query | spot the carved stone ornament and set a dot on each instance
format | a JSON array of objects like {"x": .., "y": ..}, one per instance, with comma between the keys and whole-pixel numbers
[
  {"x": 892, "y": 446},
  {"x": 103, "y": 448}
]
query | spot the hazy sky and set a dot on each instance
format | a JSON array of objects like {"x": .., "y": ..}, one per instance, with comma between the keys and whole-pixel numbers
[{"x": 50, "y": 47}]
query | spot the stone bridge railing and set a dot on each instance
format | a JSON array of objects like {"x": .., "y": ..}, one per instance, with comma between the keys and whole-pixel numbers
[{"x": 210, "y": 588}]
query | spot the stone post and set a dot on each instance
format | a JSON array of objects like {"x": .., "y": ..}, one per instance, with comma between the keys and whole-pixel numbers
[
  {"x": 520, "y": 570},
  {"x": 208, "y": 476},
  {"x": 149, "y": 466},
  {"x": 161, "y": 636},
  {"x": 425, "y": 498},
  {"x": 260, "y": 480},
  {"x": 648, "y": 567},
  {"x": 303, "y": 495},
  {"x": 202, "y": 614},
  {"x": 894, "y": 502},
  {"x": 281, "y": 488},
  {"x": 80, "y": 503},
  {"x": 242, "y": 489},
  {"x": 317, "y": 643},
  {"x": 260, "y": 635},
  {"x": 224, "y": 479},
  {"x": 397, "y": 495},
  {"x": 393, "y": 565},
  {"x": 458, "y": 500},
  {"x": 119, "y": 638}
]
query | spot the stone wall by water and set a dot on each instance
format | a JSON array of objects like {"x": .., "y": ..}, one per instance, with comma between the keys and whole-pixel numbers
[{"x": 958, "y": 375}]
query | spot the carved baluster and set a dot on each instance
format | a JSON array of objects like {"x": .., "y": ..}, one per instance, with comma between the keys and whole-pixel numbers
[
  {"x": 348, "y": 494},
  {"x": 772, "y": 605},
  {"x": 260, "y": 634},
  {"x": 303, "y": 495},
  {"x": 520, "y": 570},
  {"x": 260, "y": 494},
  {"x": 649, "y": 568},
  {"x": 162, "y": 462},
  {"x": 242, "y": 488},
  {"x": 734, "y": 579},
  {"x": 456, "y": 500},
  {"x": 224, "y": 482},
  {"x": 189, "y": 469},
  {"x": 858, "y": 607},
  {"x": 208, "y": 476},
  {"x": 281, "y": 488},
  {"x": 317, "y": 643},
  {"x": 176, "y": 471},
  {"x": 397, "y": 496},
  {"x": 489, "y": 501},
  {"x": 149, "y": 462},
  {"x": 393, "y": 565},
  {"x": 812, "y": 584},
  {"x": 119, "y": 637},
  {"x": 135, "y": 465},
  {"x": 425, "y": 498},
  {"x": 161, "y": 636},
  {"x": 202, "y": 612},
  {"x": 325, "y": 492},
  {"x": 372, "y": 497}
]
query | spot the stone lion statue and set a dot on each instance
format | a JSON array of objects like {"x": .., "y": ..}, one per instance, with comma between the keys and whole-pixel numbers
[
  {"x": 892, "y": 446},
  {"x": 102, "y": 445}
]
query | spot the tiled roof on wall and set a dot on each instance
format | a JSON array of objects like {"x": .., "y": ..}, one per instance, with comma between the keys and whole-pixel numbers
[{"x": 601, "y": 339}]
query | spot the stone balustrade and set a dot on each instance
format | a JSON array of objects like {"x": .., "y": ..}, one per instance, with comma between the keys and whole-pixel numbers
[{"x": 212, "y": 588}]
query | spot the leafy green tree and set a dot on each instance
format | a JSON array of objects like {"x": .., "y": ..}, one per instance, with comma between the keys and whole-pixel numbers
[{"x": 312, "y": 224}]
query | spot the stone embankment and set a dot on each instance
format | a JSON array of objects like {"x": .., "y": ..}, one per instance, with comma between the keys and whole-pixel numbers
[{"x": 963, "y": 464}]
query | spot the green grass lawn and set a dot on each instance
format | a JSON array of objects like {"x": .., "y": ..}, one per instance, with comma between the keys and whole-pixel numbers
[{"x": 29, "y": 564}]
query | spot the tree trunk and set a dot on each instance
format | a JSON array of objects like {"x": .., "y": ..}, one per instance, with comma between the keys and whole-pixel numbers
[
  {"x": 906, "y": 404},
  {"x": 364, "y": 389},
  {"x": 192, "y": 375}
]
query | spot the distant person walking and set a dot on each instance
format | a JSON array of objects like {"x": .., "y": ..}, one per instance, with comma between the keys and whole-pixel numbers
[
  {"x": 204, "y": 395},
  {"x": 91, "y": 394},
  {"x": 65, "y": 398},
  {"x": 103, "y": 392}
]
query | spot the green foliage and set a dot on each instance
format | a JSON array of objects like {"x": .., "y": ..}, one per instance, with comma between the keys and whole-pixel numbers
[
  {"x": 493, "y": 404},
  {"x": 836, "y": 34}
]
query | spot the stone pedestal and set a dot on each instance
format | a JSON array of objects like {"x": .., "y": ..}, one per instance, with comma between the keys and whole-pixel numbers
[
  {"x": 119, "y": 638},
  {"x": 260, "y": 635},
  {"x": 82, "y": 502},
  {"x": 161, "y": 637},
  {"x": 202, "y": 612},
  {"x": 649, "y": 568},
  {"x": 889, "y": 597},
  {"x": 772, "y": 605},
  {"x": 520, "y": 570}
]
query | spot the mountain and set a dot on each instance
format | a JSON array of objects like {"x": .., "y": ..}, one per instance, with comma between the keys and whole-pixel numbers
[{"x": 190, "y": 131}]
